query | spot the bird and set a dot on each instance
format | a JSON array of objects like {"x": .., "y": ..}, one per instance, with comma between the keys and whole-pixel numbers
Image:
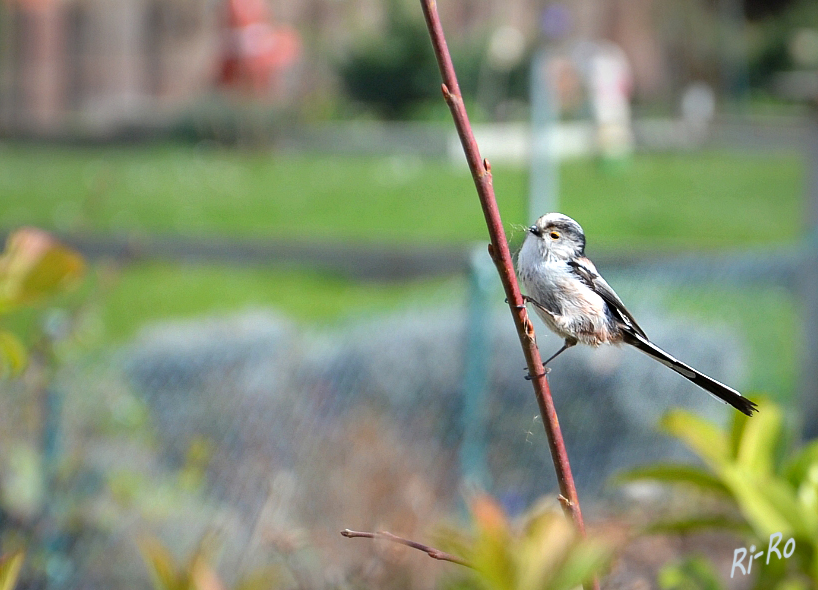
[{"x": 577, "y": 304}]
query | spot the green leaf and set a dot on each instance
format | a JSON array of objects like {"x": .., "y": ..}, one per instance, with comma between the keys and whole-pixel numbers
[
  {"x": 702, "y": 436},
  {"x": 669, "y": 473},
  {"x": 780, "y": 494},
  {"x": 760, "y": 436},
  {"x": 494, "y": 559},
  {"x": 770, "y": 506},
  {"x": 13, "y": 354},
  {"x": 10, "y": 566},
  {"x": 546, "y": 542},
  {"x": 492, "y": 553},
  {"x": 797, "y": 468},
  {"x": 35, "y": 265},
  {"x": 265, "y": 578},
  {"x": 737, "y": 425},
  {"x": 583, "y": 562},
  {"x": 165, "y": 573},
  {"x": 693, "y": 573},
  {"x": 545, "y": 554}
]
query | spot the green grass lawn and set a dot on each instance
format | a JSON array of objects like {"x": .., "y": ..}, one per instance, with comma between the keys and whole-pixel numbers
[
  {"x": 689, "y": 201},
  {"x": 172, "y": 290},
  {"x": 670, "y": 201}
]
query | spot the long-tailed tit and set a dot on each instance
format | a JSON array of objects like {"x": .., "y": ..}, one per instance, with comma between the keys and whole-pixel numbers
[{"x": 577, "y": 304}]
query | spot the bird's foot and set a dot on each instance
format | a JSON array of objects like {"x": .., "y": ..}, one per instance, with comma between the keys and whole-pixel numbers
[
  {"x": 545, "y": 372},
  {"x": 518, "y": 306}
]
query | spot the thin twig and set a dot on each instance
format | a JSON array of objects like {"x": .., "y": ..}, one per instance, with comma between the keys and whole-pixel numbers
[
  {"x": 501, "y": 255},
  {"x": 430, "y": 551}
]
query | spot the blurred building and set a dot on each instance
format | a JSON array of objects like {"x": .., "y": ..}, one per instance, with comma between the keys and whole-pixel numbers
[
  {"x": 93, "y": 66},
  {"x": 79, "y": 63}
]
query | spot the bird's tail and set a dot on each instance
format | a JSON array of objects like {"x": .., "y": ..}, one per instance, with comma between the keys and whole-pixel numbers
[{"x": 720, "y": 390}]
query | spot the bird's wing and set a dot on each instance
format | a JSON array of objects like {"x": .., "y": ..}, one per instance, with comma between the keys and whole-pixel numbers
[{"x": 585, "y": 270}]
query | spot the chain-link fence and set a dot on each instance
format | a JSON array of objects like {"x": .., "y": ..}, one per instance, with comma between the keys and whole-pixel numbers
[{"x": 275, "y": 436}]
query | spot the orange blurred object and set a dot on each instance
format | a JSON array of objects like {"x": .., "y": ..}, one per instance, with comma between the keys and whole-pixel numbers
[{"x": 256, "y": 53}]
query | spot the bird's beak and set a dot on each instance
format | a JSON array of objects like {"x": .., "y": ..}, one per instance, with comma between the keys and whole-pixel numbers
[{"x": 535, "y": 230}]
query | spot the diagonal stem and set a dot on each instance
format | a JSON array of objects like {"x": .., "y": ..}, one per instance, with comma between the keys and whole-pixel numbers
[
  {"x": 430, "y": 551},
  {"x": 501, "y": 255}
]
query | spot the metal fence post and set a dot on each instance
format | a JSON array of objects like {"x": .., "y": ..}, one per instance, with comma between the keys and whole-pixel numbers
[
  {"x": 809, "y": 285},
  {"x": 477, "y": 369}
]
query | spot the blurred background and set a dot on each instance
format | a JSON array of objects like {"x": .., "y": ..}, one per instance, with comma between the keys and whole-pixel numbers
[{"x": 281, "y": 319}]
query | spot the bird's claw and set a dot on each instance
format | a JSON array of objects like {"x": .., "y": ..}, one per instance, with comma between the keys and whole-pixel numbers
[
  {"x": 517, "y": 306},
  {"x": 529, "y": 377}
]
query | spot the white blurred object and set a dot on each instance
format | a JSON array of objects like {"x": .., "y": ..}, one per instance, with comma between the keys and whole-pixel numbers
[
  {"x": 511, "y": 143},
  {"x": 610, "y": 82},
  {"x": 506, "y": 48},
  {"x": 698, "y": 103},
  {"x": 803, "y": 48}
]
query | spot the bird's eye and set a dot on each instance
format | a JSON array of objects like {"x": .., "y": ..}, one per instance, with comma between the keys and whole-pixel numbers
[{"x": 554, "y": 235}]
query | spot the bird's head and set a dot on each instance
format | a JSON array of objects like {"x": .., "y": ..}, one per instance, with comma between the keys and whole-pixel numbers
[{"x": 558, "y": 236}]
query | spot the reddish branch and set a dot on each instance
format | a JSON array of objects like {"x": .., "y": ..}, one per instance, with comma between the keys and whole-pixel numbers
[
  {"x": 501, "y": 255},
  {"x": 430, "y": 551}
]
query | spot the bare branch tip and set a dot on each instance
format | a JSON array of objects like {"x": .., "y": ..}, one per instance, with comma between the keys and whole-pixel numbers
[
  {"x": 487, "y": 165},
  {"x": 350, "y": 534},
  {"x": 430, "y": 551}
]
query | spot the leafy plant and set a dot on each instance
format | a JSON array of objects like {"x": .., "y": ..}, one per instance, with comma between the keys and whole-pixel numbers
[
  {"x": 196, "y": 573},
  {"x": 10, "y": 566},
  {"x": 392, "y": 72},
  {"x": 753, "y": 467},
  {"x": 544, "y": 553},
  {"x": 32, "y": 266},
  {"x": 692, "y": 573}
]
